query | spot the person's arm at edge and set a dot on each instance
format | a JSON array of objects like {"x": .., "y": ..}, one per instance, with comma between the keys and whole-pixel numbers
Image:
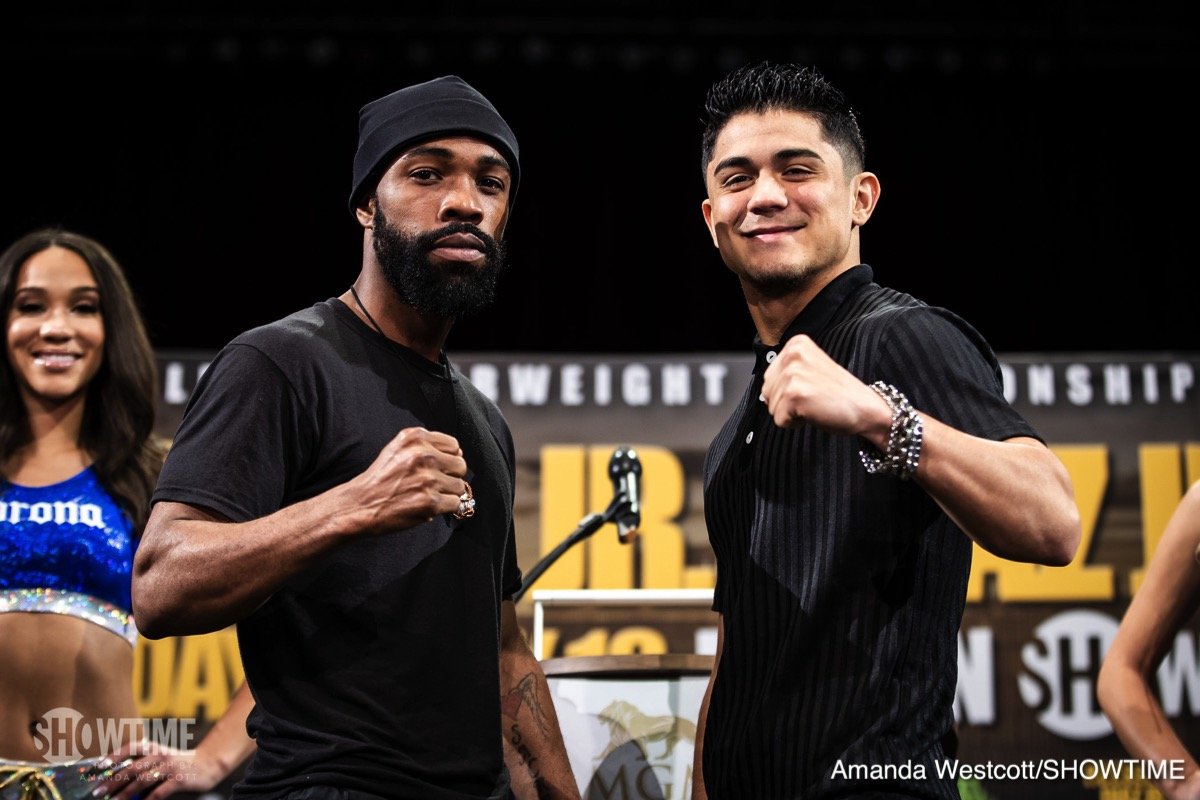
[
  {"x": 1168, "y": 596},
  {"x": 227, "y": 744},
  {"x": 699, "y": 792},
  {"x": 196, "y": 572},
  {"x": 534, "y": 742},
  {"x": 222, "y": 750}
]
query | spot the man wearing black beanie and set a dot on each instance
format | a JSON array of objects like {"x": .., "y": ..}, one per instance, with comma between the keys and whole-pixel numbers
[{"x": 341, "y": 493}]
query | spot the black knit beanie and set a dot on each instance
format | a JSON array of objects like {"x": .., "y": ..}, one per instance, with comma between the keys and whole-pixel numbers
[{"x": 441, "y": 107}]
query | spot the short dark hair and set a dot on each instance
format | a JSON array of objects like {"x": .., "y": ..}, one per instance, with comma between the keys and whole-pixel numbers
[{"x": 762, "y": 87}]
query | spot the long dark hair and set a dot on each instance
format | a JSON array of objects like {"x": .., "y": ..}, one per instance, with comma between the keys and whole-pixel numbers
[{"x": 118, "y": 416}]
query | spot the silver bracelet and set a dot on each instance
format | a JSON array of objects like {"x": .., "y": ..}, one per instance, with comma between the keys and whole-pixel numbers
[{"x": 904, "y": 440}]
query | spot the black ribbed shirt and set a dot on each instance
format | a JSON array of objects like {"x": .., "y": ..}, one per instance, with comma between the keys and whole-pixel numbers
[{"x": 842, "y": 592}]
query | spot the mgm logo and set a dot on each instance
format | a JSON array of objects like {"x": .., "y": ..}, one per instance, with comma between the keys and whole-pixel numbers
[{"x": 643, "y": 759}]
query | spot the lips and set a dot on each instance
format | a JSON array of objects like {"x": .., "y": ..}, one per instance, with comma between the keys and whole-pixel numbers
[
  {"x": 464, "y": 248},
  {"x": 460, "y": 241},
  {"x": 774, "y": 230},
  {"x": 55, "y": 360}
]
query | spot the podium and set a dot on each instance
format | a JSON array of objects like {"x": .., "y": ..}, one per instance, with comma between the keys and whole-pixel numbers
[
  {"x": 629, "y": 722},
  {"x": 630, "y": 602}
]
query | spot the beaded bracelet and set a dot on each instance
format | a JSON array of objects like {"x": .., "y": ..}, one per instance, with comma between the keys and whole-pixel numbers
[{"x": 904, "y": 440}]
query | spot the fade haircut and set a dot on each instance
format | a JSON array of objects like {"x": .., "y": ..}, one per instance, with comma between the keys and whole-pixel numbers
[{"x": 762, "y": 87}]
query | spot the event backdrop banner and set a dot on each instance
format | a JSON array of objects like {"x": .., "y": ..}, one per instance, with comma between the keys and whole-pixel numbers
[{"x": 1126, "y": 425}]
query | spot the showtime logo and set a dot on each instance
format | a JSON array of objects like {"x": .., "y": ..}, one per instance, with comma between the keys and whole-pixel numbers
[{"x": 62, "y": 735}]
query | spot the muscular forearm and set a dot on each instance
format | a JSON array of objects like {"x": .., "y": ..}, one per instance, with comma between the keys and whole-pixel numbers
[
  {"x": 1014, "y": 498},
  {"x": 534, "y": 743},
  {"x": 196, "y": 573}
]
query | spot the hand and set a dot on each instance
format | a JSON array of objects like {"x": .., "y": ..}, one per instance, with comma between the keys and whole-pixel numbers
[
  {"x": 417, "y": 476},
  {"x": 149, "y": 771},
  {"x": 1188, "y": 789},
  {"x": 804, "y": 384}
]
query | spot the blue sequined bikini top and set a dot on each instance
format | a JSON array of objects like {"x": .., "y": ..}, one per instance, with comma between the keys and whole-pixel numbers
[{"x": 67, "y": 549}]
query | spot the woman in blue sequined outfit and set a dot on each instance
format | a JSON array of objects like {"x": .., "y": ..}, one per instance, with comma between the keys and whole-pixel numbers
[{"x": 78, "y": 462}]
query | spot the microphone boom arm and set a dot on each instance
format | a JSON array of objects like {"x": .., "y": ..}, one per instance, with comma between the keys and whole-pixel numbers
[{"x": 619, "y": 507}]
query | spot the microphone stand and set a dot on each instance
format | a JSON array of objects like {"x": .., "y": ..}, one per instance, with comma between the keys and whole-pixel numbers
[{"x": 587, "y": 526}]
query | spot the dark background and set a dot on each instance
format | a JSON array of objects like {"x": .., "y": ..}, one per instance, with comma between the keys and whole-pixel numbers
[{"x": 1037, "y": 162}]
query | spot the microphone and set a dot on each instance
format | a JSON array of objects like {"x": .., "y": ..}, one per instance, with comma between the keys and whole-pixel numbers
[{"x": 625, "y": 471}]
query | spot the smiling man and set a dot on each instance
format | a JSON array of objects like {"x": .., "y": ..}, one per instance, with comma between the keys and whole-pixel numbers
[
  {"x": 341, "y": 494},
  {"x": 842, "y": 496}
]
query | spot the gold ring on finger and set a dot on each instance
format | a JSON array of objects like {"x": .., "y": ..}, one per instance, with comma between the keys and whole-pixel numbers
[{"x": 466, "y": 503}]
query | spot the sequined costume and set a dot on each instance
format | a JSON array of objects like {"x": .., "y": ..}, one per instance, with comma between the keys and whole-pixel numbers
[
  {"x": 67, "y": 549},
  {"x": 24, "y": 780}
]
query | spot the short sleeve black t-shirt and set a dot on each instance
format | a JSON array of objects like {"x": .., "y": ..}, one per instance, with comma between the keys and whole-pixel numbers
[{"x": 377, "y": 669}]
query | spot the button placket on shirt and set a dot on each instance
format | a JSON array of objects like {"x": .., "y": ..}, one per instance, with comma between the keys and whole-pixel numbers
[{"x": 761, "y": 397}]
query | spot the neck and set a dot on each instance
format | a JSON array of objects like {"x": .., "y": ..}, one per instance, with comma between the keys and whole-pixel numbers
[
  {"x": 56, "y": 424},
  {"x": 378, "y": 306},
  {"x": 54, "y": 452},
  {"x": 772, "y": 317},
  {"x": 773, "y": 313}
]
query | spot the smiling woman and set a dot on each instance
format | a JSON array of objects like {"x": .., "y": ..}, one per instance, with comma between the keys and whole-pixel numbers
[
  {"x": 55, "y": 331},
  {"x": 77, "y": 464}
]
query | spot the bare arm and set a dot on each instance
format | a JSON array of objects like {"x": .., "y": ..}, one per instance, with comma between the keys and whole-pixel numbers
[
  {"x": 219, "y": 753},
  {"x": 227, "y": 744},
  {"x": 534, "y": 748},
  {"x": 1014, "y": 498},
  {"x": 196, "y": 572},
  {"x": 1166, "y": 600},
  {"x": 699, "y": 792}
]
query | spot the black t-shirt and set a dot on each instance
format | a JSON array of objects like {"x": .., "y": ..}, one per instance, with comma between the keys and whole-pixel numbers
[
  {"x": 842, "y": 592},
  {"x": 377, "y": 669}
]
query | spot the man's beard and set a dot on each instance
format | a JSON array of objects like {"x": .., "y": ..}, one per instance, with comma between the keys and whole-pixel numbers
[
  {"x": 778, "y": 286},
  {"x": 782, "y": 279},
  {"x": 453, "y": 289}
]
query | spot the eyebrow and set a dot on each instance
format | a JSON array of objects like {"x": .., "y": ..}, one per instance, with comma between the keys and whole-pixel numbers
[
  {"x": 495, "y": 161},
  {"x": 782, "y": 155},
  {"x": 446, "y": 154},
  {"x": 85, "y": 289}
]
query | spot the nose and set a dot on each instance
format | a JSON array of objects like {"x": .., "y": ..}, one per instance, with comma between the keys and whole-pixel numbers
[
  {"x": 768, "y": 194},
  {"x": 56, "y": 326},
  {"x": 462, "y": 202}
]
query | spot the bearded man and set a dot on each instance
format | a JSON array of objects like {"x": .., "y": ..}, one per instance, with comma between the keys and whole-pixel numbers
[{"x": 344, "y": 496}]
